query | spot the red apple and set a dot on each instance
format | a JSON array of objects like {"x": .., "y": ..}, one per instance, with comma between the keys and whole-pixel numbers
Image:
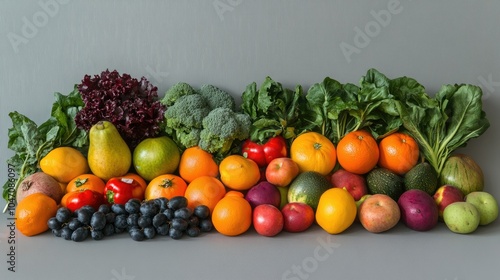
[
  {"x": 281, "y": 171},
  {"x": 355, "y": 184},
  {"x": 379, "y": 213},
  {"x": 298, "y": 216},
  {"x": 267, "y": 220},
  {"x": 446, "y": 195}
]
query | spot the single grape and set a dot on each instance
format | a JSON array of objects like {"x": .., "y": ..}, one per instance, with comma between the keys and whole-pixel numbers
[
  {"x": 149, "y": 232},
  {"x": 104, "y": 208},
  {"x": 183, "y": 213},
  {"x": 98, "y": 220},
  {"x": 109, "y": 230},
  {"x": 132, "y": 220},
  {"x": 96, "y": 234},
  {"x": 201, "y": 211},
  {"x": 121, "y": 221},
  {"x": 149, "y": 209},
  {"x": 80, "y": 234},
  {"x": 163, "y": 229},
  {"x": 84, "y": 216},
  {"x": 110, "y": 217},
  {"x": 193, "y": 221},
  {"x": 53, "y": 223},
  {"x": 57, "y": 232},
  {"x": 177, "y": 202},
  {"x": 63, "y": 215},
  {"x": 159, "y": 219},
  {"x": 74, "y": 223},
  {"x": 193, "y": 231},
  {"x": 175, "y": 233},
  {"x": 88, "y": 208},
  {"x": 133, "y": 205},
  {"x": 118, "y": 209},
  {"x": 136, "y": 234},
  {"x": 179, "y": 224},
  {"x": 66, "y": 233},
  {"x": 161, "y": 202},
  {"x": 144, "y": 221},
  {"x": 206, "y": 225},
  {"x": 169, "y": 213}
]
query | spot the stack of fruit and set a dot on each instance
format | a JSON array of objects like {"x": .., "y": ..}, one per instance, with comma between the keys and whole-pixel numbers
[{"x": 167, "y": 184}]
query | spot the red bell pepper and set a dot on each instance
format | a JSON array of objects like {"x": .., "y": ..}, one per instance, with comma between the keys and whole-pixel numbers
[
  {"x": 263, "y": 154},
  {"x": 78, "y": 199},
  {"x": 119, "y": 190}
]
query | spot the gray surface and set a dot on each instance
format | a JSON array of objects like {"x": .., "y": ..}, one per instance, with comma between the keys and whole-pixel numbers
[{"x": 294, "y": 42}]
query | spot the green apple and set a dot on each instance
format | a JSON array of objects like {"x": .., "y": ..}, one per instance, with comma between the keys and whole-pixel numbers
[
  {"x": 284, "y": 196},
  {"x": 486, "y": 204},
  {"x": 461, "y": 217}
]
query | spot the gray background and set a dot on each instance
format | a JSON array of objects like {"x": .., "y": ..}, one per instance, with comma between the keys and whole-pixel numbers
[{"x": 231, "y": 43}]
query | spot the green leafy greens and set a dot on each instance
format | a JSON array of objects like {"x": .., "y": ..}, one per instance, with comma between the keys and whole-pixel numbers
[{"x": 31, "y": 142}]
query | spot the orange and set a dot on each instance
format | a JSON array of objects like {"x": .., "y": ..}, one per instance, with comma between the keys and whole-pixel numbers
[
  {"x": 239, "y": 173},
  {"x": 336, "y": 210},
  {"x": 136, "y": 177},
  {"x": 64, "y": 164},
  {"x": 232, "y": 215},
  {"x": 205, "y": 190},
  {"x": 399, "y": 153},
  {"x": 166, "y": 185},
  {"x": 313, "y": 151},
  {"x": 33, "y": 212},
  {"x": 196, "y": 162},
  {"x": 357, "y": 152},
  {"x": 86, "y": 182}
]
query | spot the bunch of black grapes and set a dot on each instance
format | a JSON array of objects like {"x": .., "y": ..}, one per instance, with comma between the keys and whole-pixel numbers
[{"x": 141, "y": 219}]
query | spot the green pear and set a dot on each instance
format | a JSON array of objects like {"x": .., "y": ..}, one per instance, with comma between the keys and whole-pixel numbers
[{"x": 108, "y": 156}]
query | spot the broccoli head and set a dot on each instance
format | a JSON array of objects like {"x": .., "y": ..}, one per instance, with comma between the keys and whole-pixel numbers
[
  {"x": 175, "y": 92},
  {"x": 222, "y": 129},
  {"x": 217, "y": 98},
  {"x": 185, "y": 115}
]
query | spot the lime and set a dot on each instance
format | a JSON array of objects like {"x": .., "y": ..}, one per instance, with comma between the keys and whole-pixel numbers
[{"x": 156, "y": 156}]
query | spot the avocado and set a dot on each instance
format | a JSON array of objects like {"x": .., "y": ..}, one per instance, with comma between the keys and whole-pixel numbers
[
  {"x": 423, "y": 177},
  {"x": 383, "y": 181}
]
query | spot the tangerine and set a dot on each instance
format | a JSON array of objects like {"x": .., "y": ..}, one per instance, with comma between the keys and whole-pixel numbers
[
  {"x": 358, "y": 152},
  {"x": 239, "y": 173},
  {"x": 232, "y": 215},
  {"x": 166, "y": 185},
  {"x": 33, "y": 212},
  {"x": 313, "y": 151},
  {"x": 86, "y": 181},
  {"x": 196, "y": 162},
  {"x": 399, "y": 152},
  {"x": 204, "y": 190}
]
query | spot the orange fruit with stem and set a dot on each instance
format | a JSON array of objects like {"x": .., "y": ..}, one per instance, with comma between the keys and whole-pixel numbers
[
  {"x": 313, "y": 151},
  {"x": 205, "y": 190},
  {"x": 196, "y": 162},
  {"x": 232, "y": 215},
  {"x": 358, "y": 152},
  {"x": 399, "y": 152},
  {"x": 166, "y": 185},
  {"x": 86, "y": 181}
]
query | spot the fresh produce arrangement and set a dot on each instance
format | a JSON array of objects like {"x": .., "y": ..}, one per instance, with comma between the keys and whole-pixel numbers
[{"x": 115, "y": 157}]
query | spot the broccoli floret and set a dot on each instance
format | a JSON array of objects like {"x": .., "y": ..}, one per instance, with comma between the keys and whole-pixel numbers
[
  {"x": 222, "y": 128},
  {"x": 217, "y": 98},
  {"x": 188, "y": 138},
  {"x": 175, "y": 92},
  {"x": 185, "y": 115}
]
